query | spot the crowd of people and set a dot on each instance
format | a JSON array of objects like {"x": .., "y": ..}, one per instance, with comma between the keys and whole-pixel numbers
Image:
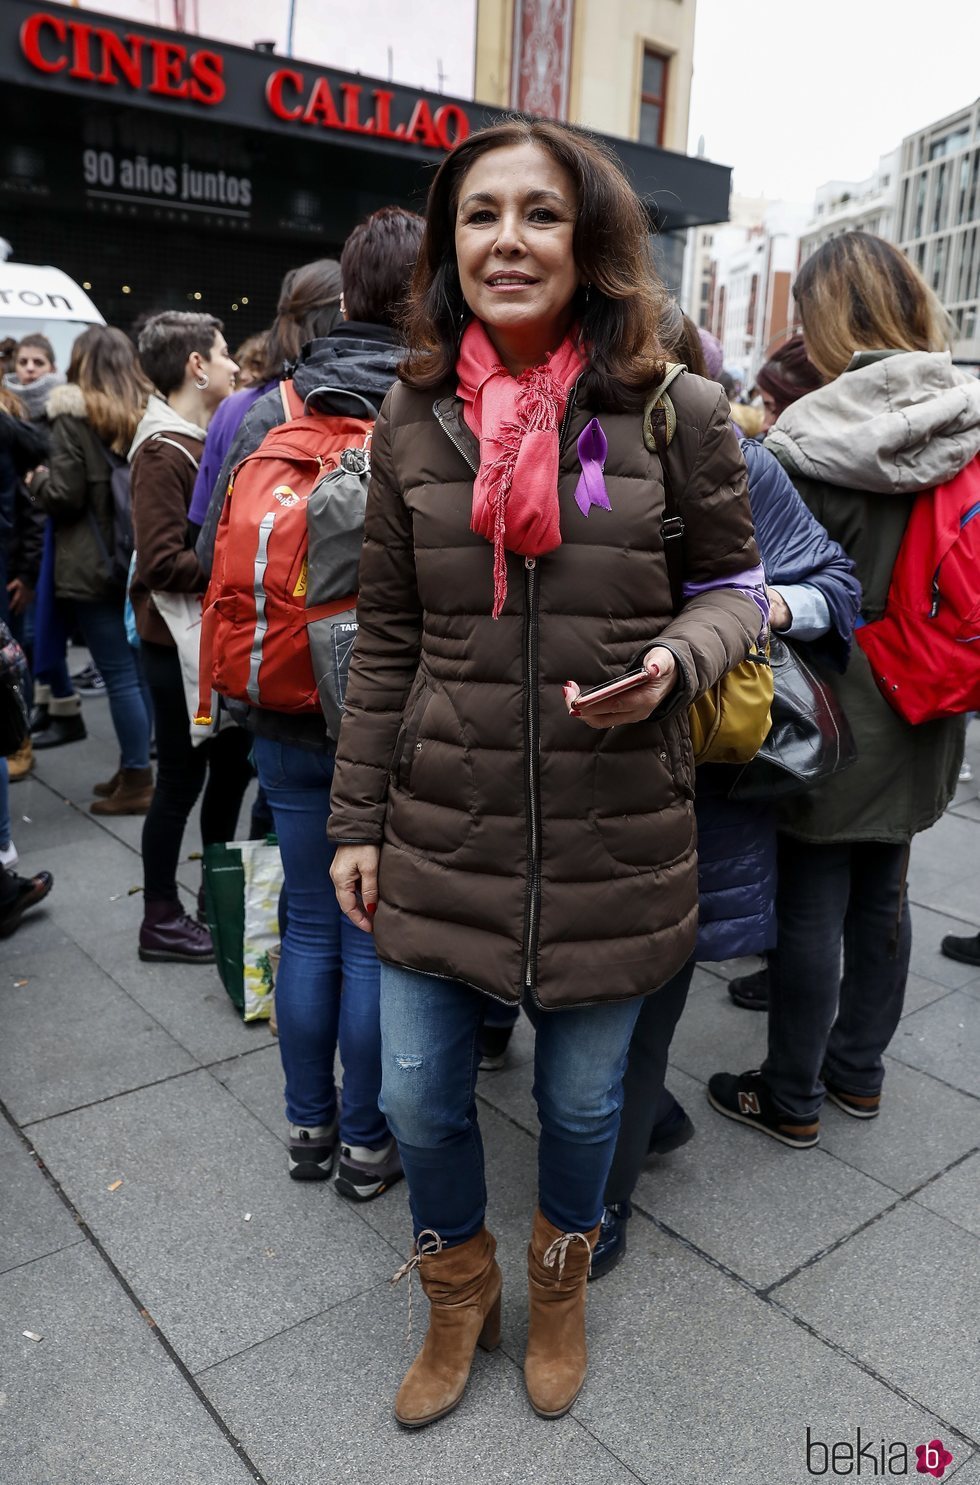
[{"x": 482, "y": 838}]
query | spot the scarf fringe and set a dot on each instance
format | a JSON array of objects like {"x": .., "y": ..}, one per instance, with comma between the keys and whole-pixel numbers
[{"x": 537, "y": 412}]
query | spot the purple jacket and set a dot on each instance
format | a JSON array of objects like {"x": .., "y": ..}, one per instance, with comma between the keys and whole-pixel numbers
[{"x": 221, "y": 431}]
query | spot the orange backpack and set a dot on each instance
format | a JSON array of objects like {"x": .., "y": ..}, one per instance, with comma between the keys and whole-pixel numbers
[{"x": 254, "y": 641}]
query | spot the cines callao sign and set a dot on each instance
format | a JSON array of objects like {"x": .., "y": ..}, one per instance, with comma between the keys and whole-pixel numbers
[{"x": 169, "y": 69}]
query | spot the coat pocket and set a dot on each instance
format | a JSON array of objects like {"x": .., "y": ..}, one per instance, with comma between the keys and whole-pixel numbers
[{"x": 408, "y": 744}]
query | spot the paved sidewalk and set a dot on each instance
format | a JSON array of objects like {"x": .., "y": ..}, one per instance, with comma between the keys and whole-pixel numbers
[{"x": 206, "y": 1321}]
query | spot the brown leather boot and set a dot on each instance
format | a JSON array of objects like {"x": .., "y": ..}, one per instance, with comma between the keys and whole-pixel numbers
[
  {"x": 109, "y": 787},
  {"x": 19, "y": 764},
  {"x": 556, "y": 1359},
  {"x": 133, "y": 794},
  {"x": 463, "y": 1289}
]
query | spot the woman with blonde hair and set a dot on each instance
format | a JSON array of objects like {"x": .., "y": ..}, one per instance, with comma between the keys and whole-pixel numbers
[
  {"x": 895, "y": 417},
  {"x": 93, "y": 419},
  {"x": 503, "y": 838}
]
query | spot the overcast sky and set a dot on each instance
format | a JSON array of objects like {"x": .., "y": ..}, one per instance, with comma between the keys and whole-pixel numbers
[{"x": 793, "y": 93}]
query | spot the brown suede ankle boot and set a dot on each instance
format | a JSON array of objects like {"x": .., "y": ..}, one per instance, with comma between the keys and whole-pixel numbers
[
  {"x": 556, "y": 1359},
  {"x": 463, "y": 1288},
  {"x": 132, "y": 795}
]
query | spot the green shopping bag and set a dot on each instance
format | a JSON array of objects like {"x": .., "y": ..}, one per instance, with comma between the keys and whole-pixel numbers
[{"x": 242, "y": 883}]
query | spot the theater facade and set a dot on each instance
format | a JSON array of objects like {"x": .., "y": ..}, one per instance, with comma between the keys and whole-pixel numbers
[{"x": 161, "y": 170}]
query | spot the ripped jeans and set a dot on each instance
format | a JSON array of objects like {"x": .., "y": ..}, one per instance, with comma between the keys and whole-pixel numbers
[{"x": 430, "y": 1053}]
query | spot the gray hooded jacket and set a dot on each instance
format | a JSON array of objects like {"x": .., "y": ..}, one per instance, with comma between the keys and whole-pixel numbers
[{"x": 859, "y": 451}]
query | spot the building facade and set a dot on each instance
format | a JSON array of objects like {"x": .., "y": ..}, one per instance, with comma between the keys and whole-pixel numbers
[
  {"x": 856, "y": 206},
  {"x": 167, "y": 169},
  {"x": 938, "y": 222}
]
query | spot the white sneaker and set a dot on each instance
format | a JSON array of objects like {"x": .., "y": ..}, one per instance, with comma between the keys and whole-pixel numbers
[{"x": 8, "y": 857}]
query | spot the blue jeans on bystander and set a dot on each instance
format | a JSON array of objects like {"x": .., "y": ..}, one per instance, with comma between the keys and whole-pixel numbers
[
  {"x": 430, "y": 1050},
  {"x": 328, "y": 980},
  {"x": 104, "y": 632}
]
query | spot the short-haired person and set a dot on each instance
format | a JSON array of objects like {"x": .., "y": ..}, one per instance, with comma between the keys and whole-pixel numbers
[
  {"x": 894, "y": 418},
  {"x": 185, "y": 356},
  {"x": 327, "y": 982},
  {"x": 93, "y": 418},
  {"x": 529, "y": 849}
]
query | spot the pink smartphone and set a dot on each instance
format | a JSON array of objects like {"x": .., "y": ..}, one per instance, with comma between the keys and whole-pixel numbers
[{"x": 611, "y": 688}]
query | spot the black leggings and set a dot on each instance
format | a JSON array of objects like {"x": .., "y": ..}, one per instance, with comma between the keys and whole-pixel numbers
[{"x": 181, "y": 772}]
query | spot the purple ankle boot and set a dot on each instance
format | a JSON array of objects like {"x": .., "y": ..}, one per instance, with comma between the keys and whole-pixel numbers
[{"x": 171, "y": 936}]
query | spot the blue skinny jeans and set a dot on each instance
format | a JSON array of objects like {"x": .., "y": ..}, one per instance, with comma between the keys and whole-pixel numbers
[
  {"x": 430, "y": 1052},
  {"x": 328, "y": 981},
  {"x": 104, "y": 632}
]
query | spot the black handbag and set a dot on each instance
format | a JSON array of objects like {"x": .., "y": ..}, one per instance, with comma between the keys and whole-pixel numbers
[
  {"x": 810, "y": 738},
  {"x": 14, "y": 723}
]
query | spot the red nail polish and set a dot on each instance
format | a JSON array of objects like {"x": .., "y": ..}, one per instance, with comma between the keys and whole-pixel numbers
[
  {"x": 370, "y": 908},
  {"x": 574, "y": 711}
]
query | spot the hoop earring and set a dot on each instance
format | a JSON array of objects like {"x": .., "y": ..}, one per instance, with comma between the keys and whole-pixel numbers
[
  {"x": 203, "y": 383},
  {"x": 588, "y": 292}
]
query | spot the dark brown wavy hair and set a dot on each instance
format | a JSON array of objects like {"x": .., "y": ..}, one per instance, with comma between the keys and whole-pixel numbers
[
  {"x": 620, "y": 313},
  {"x": 309, "y": 307}
]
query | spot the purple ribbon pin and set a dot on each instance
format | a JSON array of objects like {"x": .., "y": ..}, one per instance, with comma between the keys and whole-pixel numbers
[{"x": 592, "y": 451}]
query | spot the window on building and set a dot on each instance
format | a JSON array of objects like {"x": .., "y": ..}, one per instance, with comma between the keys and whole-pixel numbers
[
  {"x": 653, "y": 97},
  {"x": 939, "y": 200},
  {"x": 949, "y": 143}
]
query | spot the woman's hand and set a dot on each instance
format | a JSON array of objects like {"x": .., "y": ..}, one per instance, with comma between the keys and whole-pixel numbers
[
  {"x": 780, "y": 613},
  {"x": 354, "y": 873},
  {"x": 21, "y": 596},
  {"x": 634, "y": 705}
]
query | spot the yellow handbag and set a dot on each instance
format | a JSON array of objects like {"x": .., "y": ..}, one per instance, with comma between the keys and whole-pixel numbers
[{"x": 731, "y": 721}]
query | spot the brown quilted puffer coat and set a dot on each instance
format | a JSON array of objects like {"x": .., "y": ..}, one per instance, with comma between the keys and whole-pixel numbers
[{"x": 522, "y": 851}]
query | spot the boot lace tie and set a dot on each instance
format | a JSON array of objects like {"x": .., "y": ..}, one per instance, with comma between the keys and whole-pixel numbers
[
  {"x": 557, "y": 1251},
  {"x": 427, "y": 1242}
]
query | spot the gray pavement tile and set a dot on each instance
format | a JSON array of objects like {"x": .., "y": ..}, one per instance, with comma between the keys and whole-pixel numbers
[
  {"x": 712, "y": 1022},
  {"x": 920, "y": 992},
  {"x": 967, "y": 1473},
  {"x": 351, "y": 1362},
  {"x": 944, "y": 1039},
  {"x": 33, "y": 1219},
  {"x": 97, "y": 1401},
  {"x": 928, "y": 930},
  {"x": 71, "y": 1036},
  {"x": 923, "y": 1126},
  {"x": 902, "y": 1297},
  {"x": 188, "y": 999},
  {"x": 956, "y": 1195},
  {"x": 759, "y": 1208},
  {"x": 47, "y": 822},
  {"x": 193, "y": 1164},
  {"x": 256, "y": 1080},
  {"x": 966, "y": 805},
  {"x": 692, "y": 1379}
]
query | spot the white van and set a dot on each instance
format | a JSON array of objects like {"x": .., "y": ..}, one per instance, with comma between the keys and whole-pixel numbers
[{"x": 45, "y": 300}]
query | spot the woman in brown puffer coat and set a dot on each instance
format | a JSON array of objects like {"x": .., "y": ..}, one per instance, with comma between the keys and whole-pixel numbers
[{"x": 530, "y": 849}]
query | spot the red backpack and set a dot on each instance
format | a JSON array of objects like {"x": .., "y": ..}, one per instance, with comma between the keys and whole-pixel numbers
[
  {"x": 254, "y": 641},
  {"x": 925, "y": 650}
]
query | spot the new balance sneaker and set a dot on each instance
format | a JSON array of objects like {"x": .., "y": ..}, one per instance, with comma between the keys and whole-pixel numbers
[
  {"x": 747, "y": 1099},
  {"x": 364, "y": 1174},
  {"x": 858, "y": 1105},
  {"x": 312, "y": 1151},
  {"x": 8, "y": 856},
  {"x": 963, "y": 950},
  {"x": 89, "y": 682},
  {"x": 751, "y": 992}
]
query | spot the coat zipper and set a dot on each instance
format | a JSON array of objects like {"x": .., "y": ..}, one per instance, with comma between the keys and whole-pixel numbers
[
  {"x": 532, "y": 895},
  {"x": 532, "y": 911}
]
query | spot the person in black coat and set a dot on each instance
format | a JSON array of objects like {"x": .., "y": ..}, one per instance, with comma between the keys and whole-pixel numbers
[{"x": 814, "y": 599}]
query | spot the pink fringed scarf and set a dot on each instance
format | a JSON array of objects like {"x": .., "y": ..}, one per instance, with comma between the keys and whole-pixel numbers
[{"x": 516, "y": 419}]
